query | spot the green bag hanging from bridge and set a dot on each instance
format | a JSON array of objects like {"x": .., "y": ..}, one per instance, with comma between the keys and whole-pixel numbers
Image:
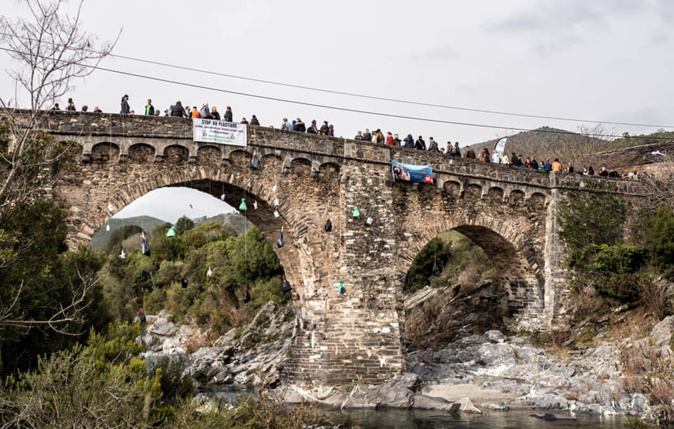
[
  {"x": 356, "y": 213},
  {"x": 171, "y": 232},
  {"x": 340, "y": 288},
  {"x": 281, "y": 241},
  {"x": 145, "y": 247},
  {"x": 254, "y": 162},
  {"x": 243, "y": 207},
  {"x": 328, "y": 226}
]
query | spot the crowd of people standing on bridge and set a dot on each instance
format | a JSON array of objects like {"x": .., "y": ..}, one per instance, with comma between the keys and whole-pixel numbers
[{"x": 377, "y": 136}]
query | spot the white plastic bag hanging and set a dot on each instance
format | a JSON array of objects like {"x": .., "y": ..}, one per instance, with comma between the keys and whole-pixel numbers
[
  {"x": 273, "y": 189},
  {"x": 222, "y": 197},
  {"x": 209, "y": 273},
  {"x": 254, "y": 204},
  {"x": 276, "y": 204},
  {"x": 107, "y": 226},
  {"x": 280, "y": 241},
  {"x": 276, "y": 213},
  {"x": 122, "y": 255},
  {"x": 111, "y": 208}
]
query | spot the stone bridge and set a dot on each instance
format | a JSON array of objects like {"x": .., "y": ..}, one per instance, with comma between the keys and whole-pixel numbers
[{"x": 355, "y": 336}]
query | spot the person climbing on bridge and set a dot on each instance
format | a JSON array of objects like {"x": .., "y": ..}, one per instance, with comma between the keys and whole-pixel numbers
[
  {"x": 409, "y": 141},
  {"x": 299, "y": 126},
  {"x": 125, "y": 109},
  {"x": 254, "y": 121},
  {"x": 229, "y": 117},
  {"x": 215, "y": 114},
  {"x": 420, "y": 144},
  {"x": 286, "y": 125},
  {"x": 71, "y": 105},
  {"x": 149, "y": 109},
  {"x": 178, "y": 110}
]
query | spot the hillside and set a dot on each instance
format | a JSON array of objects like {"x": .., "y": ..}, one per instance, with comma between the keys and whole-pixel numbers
[
  {"x": 580, "y": 149},
  {"x": 101, "y": 237}
]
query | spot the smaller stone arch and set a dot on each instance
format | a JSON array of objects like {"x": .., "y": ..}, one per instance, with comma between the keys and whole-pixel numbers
[
  {"x": 301, "y": 167},
  {"x": 271, "y": 161},
  {"x": 473, "y": 191},
  {"x": 105, "y": 152},
  {"x": 516, "y": 198},
  {"x": 141, "y": 153},
  {"x": 209, "y": 155},
  {"x": 240, "y": 157},
  {"x": 452, "y": 188},
  {"x": 176, "y": 154},
  {"x": 537, "y": 201},
  {"x": 329, "y": 171},
  {"x": 495, "y": 194}
]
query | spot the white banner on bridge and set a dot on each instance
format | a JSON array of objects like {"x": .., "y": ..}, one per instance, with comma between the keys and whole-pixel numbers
[{"x": 210, "y": 131}]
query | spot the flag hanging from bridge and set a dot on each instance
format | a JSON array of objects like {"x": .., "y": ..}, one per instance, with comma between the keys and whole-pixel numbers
[
  {"x": 412, "y": 173},
  {"x": 211, "y": 131}
]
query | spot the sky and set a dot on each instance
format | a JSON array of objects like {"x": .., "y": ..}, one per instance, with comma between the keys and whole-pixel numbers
[{"x": 600, "y": 60}]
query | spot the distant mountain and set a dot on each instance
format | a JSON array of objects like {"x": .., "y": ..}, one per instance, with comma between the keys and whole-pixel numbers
[
  {"x": 550, "y": 143},
  {"x": 235, "y": 220},
  {"x": 101, "y": 237}
]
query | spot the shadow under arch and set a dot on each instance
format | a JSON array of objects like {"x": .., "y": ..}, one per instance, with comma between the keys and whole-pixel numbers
[{"x": 515, "y": 262}]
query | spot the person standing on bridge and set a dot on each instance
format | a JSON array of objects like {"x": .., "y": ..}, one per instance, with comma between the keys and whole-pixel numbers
[
  {"x": 254, "y": 121},
  {"x": 457, "y": 151},
  {"x": 557, "y": 166},
  {"x": 367, "y": 136},
  {"x": 420, "y": 144},
  {"x": 409, "y": 141},
  {"x": 325, "y": 129},
  {"x": 125, "y": 109},
  {"x": 71, "y": 105},
  {"x": 470, "y": 153},
  {"x": 149, "y": 109},
  {"x": 178, "y": 110},
  {"x": 432, "y": 145},
  {"x": 195, "y": 113},
  {"x": 299, "y": 126},
  {"x": 229, "y": 117},
  {"x": 313, "y": 128},
  {"x": 286, "y": 125},
  {"x": 215, "y": 114}
]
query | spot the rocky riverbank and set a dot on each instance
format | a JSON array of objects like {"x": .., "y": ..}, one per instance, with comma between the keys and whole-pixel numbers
[{"x": 476, "y": 372}]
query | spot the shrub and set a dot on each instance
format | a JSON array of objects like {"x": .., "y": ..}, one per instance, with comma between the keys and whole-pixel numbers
[{"x": 659, "y": 237}]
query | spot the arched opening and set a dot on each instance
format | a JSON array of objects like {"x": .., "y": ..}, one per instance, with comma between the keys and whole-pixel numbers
[
  {"x": 469, "y": 280},
  {"x": 141, "y": 153},
  {"x": 221, "y": 256},
  {"x": 104, "y": 153},
  {"x": 176, "y": 155}
]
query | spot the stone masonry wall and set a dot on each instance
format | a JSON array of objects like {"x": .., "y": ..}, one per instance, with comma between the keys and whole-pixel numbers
[{"x": 355, "y": 336}]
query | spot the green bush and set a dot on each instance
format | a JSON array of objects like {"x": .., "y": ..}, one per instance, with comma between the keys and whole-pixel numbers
[{"x": 659, "y": 237}]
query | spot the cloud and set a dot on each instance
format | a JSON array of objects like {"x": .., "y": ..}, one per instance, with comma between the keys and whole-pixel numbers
[
  {"x": 557, "y": 25},
  {"x": 439, "y": 53}
]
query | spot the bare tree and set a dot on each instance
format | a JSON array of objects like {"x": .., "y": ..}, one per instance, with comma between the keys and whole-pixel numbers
[{"x": 52, "y": 52}]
